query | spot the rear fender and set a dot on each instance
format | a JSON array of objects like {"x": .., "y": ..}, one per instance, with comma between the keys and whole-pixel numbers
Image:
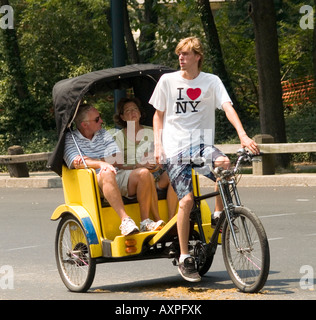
[{"x": 84, "y": 218}]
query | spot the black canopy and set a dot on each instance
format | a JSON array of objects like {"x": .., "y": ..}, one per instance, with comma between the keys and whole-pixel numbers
[{"x": 68, "y": 93}]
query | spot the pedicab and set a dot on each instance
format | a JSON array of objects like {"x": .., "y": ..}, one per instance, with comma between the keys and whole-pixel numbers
[{"x": 88, "y": 231}]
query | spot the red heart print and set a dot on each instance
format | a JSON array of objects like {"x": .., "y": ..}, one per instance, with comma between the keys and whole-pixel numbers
[{"x": 194, "y": 93}]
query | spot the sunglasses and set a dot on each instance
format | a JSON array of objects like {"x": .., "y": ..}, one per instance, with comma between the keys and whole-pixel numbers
[{"x": 97, "y": 119}]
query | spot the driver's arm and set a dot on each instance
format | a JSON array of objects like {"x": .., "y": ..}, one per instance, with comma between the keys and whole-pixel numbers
[{"x": 233, "y": 118}]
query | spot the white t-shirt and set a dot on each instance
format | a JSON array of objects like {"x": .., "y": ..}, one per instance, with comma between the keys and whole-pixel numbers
[{"x": 189, "y": 109}]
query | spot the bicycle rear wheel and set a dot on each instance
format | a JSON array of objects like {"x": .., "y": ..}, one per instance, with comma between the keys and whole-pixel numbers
[
  {"x": 248, "y": 265},
  {"x": 74, "y": 262}
]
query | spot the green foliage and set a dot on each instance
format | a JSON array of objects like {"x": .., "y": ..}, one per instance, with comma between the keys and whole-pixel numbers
[
  {"x": 62, "y": 39},
  {"x": 300, "y": 123},
  {"x": 176, "y": 20},
  {"x": 57, "y": 39},
  {"x": 238, "y": 45},
  {"x": 295, "y": 44}
]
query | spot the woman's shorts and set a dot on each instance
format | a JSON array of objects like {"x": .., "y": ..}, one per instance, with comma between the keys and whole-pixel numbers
[{"x": 179, "y": 167}]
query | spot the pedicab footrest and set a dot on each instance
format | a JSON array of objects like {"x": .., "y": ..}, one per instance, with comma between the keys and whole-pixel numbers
[{"x": 123, "y": 246}]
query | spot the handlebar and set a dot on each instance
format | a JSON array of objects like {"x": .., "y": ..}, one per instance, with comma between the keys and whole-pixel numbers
[{"x": 243, "y": 154}]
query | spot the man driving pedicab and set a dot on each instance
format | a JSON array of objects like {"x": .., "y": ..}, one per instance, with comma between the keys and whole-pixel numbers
[{"x": 185, "y": 103}]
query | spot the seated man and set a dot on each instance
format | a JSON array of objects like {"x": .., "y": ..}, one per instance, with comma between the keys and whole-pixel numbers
[{"x": 101, "y": 153}]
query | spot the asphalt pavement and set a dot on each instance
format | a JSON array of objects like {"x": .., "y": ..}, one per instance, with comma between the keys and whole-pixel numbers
[
  {"x": 28, "y": 235},
  {"x": 28, "y": 268}
]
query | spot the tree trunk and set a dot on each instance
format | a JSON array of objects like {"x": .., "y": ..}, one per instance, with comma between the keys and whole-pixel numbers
[
  {"x": 314, "y": 49},
  {"x": 269, "y": 77},
  {"x": 132, "y": 52},
  {"x": 147, "y": 32},
  {"x": 212, "y": 37}
]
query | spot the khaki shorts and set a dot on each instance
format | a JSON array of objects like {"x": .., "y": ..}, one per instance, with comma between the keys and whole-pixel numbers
[{"x": 122, "y": 177}]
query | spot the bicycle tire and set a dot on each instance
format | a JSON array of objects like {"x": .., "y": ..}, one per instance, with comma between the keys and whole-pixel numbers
[
  {"x": 248, "y": 266},
  {"x": 75, "y": 265}
]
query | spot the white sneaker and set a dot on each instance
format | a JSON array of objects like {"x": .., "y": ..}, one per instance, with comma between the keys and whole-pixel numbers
[
  {"x": 149, "y": 225},
  {"x": 128, "y": 226}
]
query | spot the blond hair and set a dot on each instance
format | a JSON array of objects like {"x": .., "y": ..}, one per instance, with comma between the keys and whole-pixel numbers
[{"x": 193, "y": 44}]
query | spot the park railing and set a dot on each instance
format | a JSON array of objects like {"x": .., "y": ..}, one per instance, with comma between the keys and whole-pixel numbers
[{"x": 16, "y": 160}]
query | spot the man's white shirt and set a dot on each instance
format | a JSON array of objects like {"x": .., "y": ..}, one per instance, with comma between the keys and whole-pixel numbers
[{"x": 189, "y": 109}]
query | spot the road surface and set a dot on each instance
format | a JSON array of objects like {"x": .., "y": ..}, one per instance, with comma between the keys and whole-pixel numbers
[{"x": 27, "y": 253}]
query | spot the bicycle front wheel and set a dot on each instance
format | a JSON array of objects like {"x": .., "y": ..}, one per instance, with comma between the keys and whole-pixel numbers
[{"x": 247, "y": 264}]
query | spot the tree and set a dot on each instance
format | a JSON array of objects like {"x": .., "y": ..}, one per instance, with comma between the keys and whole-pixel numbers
[
  {"x": 132, "y": 53},
  {"x": 268, "y": 65},
  {"x": 145, "y": 20},
  {"x": 314, "y": 48},
  {"x": 51, "y": 40},
  {"x": 148, "y": 30},
  {"x": 218, "y": 64},
  {"x": 62, "y": 39},
  {"x": 18, "y": 101},
  {"x": 217, "y": 60}
]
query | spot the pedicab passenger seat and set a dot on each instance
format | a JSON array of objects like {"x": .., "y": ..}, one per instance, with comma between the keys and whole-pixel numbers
[{"x": 162, "y": 195}]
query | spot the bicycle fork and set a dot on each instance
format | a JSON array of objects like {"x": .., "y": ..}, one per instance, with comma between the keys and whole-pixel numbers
[{"x": 227, "y": 198}]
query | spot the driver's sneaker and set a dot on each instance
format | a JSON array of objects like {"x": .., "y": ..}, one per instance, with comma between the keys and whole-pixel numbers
[
  {"x": 149, "y": 225},
  {"x": 188, "y": 270},
  {"x": 128, "y": 227}
]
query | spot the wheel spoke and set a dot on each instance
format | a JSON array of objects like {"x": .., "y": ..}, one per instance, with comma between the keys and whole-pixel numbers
[{"x": 73, "y": 258}]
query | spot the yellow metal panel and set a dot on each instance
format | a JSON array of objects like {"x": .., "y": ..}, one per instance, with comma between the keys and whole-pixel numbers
[
  {"x": 205, "y": 212},
  {"x": 78, "y": 211},
  {"x": 110, "y": 220},
  {"x": 81, "y": 188},
  {"x": 164, "y": 230},
  {"x": 195, "y": 183},
  {"x": 118, "y": 246}
]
